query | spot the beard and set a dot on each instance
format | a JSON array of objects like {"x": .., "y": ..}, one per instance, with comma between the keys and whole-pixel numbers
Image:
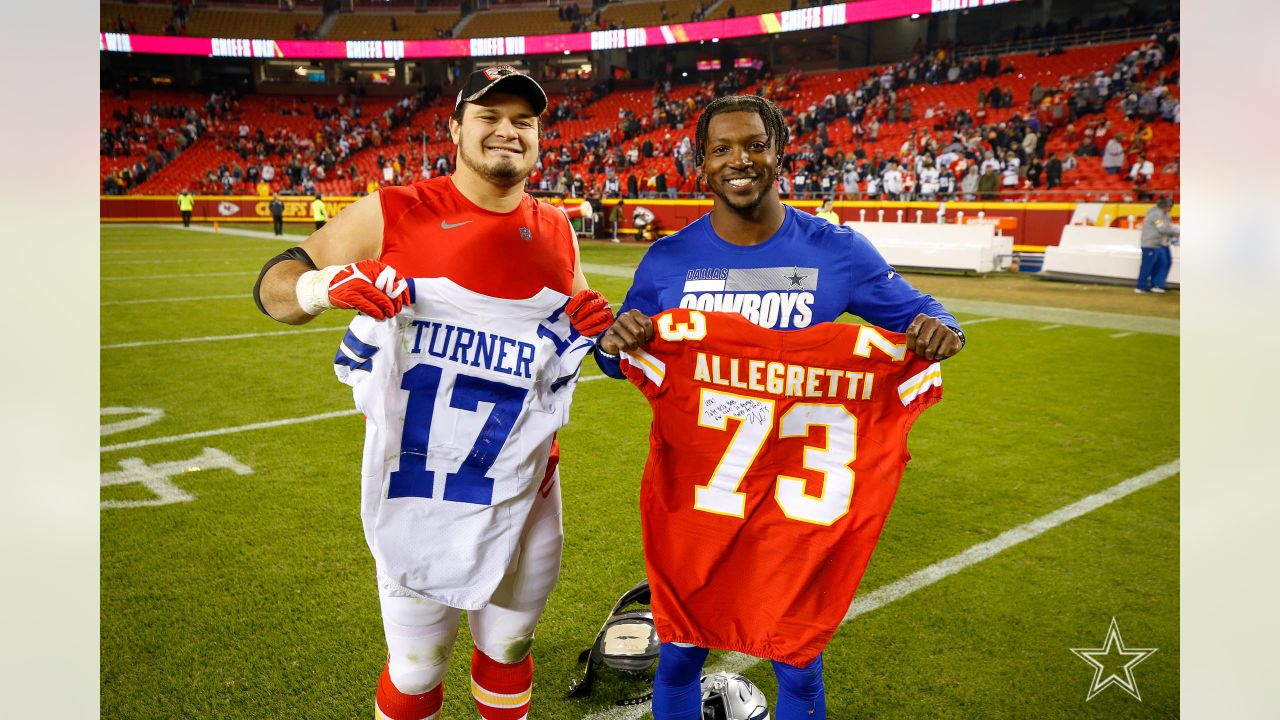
[
  {"x": 500, "y": 171},
  {"x": 745, "y": 206}
]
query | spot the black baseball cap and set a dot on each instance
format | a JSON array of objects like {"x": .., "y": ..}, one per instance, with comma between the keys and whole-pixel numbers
[{"x": 507, "y": 79}]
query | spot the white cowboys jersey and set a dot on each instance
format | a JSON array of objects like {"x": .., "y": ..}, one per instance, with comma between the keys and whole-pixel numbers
[{"x": 462, "y": 395}]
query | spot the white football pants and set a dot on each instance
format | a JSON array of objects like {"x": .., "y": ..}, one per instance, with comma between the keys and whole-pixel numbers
[{"x": 421, "y": 633}]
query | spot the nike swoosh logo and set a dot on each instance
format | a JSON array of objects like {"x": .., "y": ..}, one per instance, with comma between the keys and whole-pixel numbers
[{"x": 449, "y": 226}]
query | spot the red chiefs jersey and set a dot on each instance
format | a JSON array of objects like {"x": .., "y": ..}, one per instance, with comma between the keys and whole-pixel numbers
[
  {"x": 431, "y": 230},
  {"x": 773, "y": 460}
]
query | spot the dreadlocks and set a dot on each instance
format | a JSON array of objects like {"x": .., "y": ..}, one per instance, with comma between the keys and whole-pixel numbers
[{"x": 775, "y": 127}]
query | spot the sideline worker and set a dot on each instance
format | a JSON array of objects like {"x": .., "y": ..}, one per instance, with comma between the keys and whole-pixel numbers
[
  {"x": 185, "y": 204},
  {"x": 318, "y": 212}
]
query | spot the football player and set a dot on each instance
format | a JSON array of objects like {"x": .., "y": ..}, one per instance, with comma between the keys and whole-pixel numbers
[
  {"x": 782, "y": 269},
  {"x": 481, "y": 231}
]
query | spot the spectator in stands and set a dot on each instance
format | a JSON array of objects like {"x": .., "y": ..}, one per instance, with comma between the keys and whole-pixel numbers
[
  {"x": 1158, "y": 233},
  {"x": 929, "y": 178},
  {"x": 1113, "y": 156},
  {"x": 1140, "y": 137},
  {"x": 1141, "y": 171},
  {"x": 988, "y": 184},
  {"x": 1053, "y": 171},
  {"x": 1009, "y": 175},
  {"x": 1129, "y": 106},
  {"x": 1035, "y": 169},
  {"x": 946, "y": 183},
  {"x": 1087, "y": 148},
  {"x": 849, "y": 183},
  {"x": 1148, "y": 106},
  {"x": 891, "y": 178}
]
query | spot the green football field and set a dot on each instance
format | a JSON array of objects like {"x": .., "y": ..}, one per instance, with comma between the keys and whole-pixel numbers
[{"x": 235, "y": 582}]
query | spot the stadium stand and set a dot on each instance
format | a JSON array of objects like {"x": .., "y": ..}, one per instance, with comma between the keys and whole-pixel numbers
[
  {"x": 143, "y": 134},
  {"x": 591, "y": 132},
  {"x": 644, "y": 14},
  {"x": 211, "y": 22},
  {"x": 744, "y": 8},
  {"x": 377, "y": 26},
  {"x": 135, "y": 18},
  {"x": 492, "y": 23}
]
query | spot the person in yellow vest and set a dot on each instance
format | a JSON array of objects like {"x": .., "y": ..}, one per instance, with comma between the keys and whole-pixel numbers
[
  {"x": 826, "y": 212},
  {"x": 264, "y": 188},
  {"x": 372, "y": 187},
  {"x": 318, "y": 212},
  {"x": 186, "y": 203}
]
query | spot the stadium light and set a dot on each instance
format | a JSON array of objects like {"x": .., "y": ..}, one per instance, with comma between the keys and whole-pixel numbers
[
  {"x": 915, "y": 16},
  {"x": 715, "y": 40}
]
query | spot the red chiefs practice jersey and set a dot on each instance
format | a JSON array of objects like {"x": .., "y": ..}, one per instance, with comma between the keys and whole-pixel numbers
[
  {"x": 432, "y": 230},
  {"x": 773, "y": 460}
]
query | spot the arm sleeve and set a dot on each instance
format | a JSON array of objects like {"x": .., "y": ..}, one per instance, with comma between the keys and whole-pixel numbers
[
  {"x": 881, "y": 296},
  {"x": 642, "y": 296}
]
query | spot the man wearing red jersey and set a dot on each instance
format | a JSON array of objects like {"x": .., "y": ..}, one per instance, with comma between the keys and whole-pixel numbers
[{"x": 481, "y": 230}]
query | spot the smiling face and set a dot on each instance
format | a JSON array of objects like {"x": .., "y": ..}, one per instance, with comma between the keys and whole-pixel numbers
[
  {"x": 741, "y": 163},
  {"x": 497, "y": 138}
]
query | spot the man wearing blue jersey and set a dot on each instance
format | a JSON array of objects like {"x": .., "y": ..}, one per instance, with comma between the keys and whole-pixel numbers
[{"x": 781, "y": 269}]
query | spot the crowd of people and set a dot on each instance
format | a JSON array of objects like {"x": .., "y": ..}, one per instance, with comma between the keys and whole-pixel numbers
[
  {"x": 140, "y": 134},
  {"x": 948, "y": 154},
  {"x": 270, "y": 159}
]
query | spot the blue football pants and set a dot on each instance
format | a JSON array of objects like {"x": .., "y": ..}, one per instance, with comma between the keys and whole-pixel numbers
[{"x": 677, "y": 689}]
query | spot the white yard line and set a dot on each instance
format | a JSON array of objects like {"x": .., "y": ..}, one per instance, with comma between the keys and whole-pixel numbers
[
  {"x": 177, "y": 276},
  {"x": 226, "y": 431},
  {"x": 171, "y": 261},
  {"x": 878, "y": 598},
  {"x": 623, "y": 271},
  {"x": 1048, "y": 327},
  {"x": 1121, "y": 335},
  {"x": 252, "y": 426},
  {"x": 240, "y": 296},
  {"x": 213, "y": 338},
  {"x": 966, "y": 323},
  {"x": 260, "y": 234},
  {"x": 1064, "y": 316}
]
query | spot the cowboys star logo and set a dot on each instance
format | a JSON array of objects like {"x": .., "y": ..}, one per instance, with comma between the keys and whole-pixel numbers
[{"x": 1113, "y": 663}]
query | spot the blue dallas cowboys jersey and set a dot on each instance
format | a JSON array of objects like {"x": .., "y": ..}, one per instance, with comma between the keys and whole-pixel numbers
[{"x": 809, "y": 272}]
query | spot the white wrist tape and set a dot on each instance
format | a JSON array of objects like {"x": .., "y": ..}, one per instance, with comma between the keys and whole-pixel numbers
[{"x": 313, "y": 289}]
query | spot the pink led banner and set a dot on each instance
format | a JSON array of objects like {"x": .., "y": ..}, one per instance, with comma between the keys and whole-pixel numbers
[{"x": 768, "y": 24}]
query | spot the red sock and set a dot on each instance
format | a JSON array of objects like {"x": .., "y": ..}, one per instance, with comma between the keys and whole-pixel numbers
[
  {"x": 501, "y": 692},
  {"x": 395, "y": 705}
]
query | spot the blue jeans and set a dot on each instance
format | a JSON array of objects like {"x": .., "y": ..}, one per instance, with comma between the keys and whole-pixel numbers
[{"x": 1156, "y": 262}]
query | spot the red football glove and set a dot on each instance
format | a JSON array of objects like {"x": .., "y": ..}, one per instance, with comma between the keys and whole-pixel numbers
[
  {"x": 589, "y": 312},
  {"x": 369, "y": 286}
]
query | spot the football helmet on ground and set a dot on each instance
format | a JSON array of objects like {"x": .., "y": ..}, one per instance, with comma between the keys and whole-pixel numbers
[
  {"x": 729, "y": 696},
  {"x": 627, "y": 642}
]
